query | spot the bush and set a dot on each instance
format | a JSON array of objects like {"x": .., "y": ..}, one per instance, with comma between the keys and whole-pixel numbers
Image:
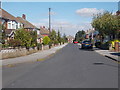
[
  {"x": 14, "y": 43},
  {"x": 50, "y": 44},
  {"x": 39, "y": 46},
  {"x": 5, "y": 45},
  {"x": 98, "y": 44},
  {"x": 56, "y": 42},
  {"x": 46, "y": 40},
  {"x": 105, "y": 45}
]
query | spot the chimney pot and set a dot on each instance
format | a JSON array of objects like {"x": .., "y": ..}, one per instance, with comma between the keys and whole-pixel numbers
[{"x": 24, "y": 16}]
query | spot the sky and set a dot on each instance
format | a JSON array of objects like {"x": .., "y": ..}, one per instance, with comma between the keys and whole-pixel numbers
[{"x": 67, "y": 17}]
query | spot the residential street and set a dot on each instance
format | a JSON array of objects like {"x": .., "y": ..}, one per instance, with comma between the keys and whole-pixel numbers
[{"x": 70, "y": 67}]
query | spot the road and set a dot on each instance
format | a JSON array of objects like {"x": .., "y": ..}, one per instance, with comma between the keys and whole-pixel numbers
[{"x": 70, "y": 67}]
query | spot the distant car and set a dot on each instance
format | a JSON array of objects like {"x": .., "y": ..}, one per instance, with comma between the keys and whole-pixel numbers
[
  {"x": 75, "y": 42},
  {"x": 86, "y": 44}
]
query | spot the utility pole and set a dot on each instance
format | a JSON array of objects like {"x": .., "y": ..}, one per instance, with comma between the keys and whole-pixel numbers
[
  {"x": 0, "y": 4},
  {"x": 49, "y": 19}
]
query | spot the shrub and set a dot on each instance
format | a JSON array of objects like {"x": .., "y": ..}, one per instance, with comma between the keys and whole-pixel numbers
[
  {"x": 105, "y": 45},
  {"x": 39, "y": 46},
  {"x": 46, "y": 40},
  {"x": 98, "y": 44},
  {"x": 14, "y": 43},
  {"x": 56, "y": 42}
]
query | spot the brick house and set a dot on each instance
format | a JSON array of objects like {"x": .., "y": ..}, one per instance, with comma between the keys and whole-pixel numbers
[
  {"x": 44, "y": 32},
  {"x": 29, "y": 26}
]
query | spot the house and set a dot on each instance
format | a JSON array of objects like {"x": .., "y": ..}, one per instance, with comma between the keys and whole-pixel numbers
[
  {"x": 10, "y": 23},
  {"x": 70, "y": 39},
  {"x": 26, "y": 24},
  {"x": 29, "y": 26},
  {"x": 44, "y": 31}
]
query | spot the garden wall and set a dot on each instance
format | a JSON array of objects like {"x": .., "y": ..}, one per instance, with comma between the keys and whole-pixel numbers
[{"x": 12, "y": 53}]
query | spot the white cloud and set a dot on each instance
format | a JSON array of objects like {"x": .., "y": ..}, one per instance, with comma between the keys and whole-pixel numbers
[
  {"x": 53, "y": 13},
  {"x": 44, "y": 20},
  {"x": 89, "y": 11},
  {"x": 40, "y": 24},
  {"x": 64, "y": 26}
]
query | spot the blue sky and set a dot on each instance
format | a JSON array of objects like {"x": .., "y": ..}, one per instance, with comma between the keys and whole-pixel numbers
[{"x": 68, "y": 17}]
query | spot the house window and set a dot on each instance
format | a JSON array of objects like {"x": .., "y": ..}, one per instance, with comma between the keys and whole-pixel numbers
[
  {"x": 16, "y": 26},
  {"x": 12, "y": 26},
  {"x": 9, "y": 25}
]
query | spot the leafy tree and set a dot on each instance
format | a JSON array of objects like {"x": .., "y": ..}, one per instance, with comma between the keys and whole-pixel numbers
[
  {"x": 2, "y": 34},
  {"x": 34, "y": 38},
  {"x": 65, "y": 38},
  {"x": 106, "y": 24},
  {"x": 23, "y": 36},
  {"x": 79, "y": 35},
  {"x": 53, "y": 36},
  {"x": 59, "y": 37},
  {"x": 46, "y": 40}
]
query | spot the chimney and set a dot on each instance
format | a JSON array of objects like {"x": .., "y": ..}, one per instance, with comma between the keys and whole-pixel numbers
[{"x": 24, "y": 16}]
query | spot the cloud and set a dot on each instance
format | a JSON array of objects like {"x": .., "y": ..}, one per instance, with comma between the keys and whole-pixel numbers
[
  {"x": 44, "y": 20},
  {"x": 64, "y": 26},
  {"x": 40, "y": 24},
  {"x": 53, "y": 13},
  {"x": 89, "y": 11},
  {"x": 70, "y": 28}
]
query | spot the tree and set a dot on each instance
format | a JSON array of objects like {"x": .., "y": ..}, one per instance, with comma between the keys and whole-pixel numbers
[
  {"x": 53, "y": 36},
  {"x": 23, "y": 36},
  {"x": 64, "y": 38},
  {"x": 59, "y": 37},
  {"x": 2, "y": 34},
  {"x": 46, "y": 40},
  {"x": 34, "y": 38},
  {"x": 79, "y": 35},
  {"x": 106, "y": 24}
]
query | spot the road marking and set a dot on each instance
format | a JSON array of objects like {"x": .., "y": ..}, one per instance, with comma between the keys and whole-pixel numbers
[{"x": 40, "y": 59}]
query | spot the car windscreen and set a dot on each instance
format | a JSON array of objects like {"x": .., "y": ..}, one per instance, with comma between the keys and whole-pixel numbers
[{"x": 86, "y": 41}]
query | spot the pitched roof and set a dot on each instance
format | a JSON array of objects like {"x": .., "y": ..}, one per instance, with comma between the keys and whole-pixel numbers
[
  {"x": 4, "y": 14},
  {"x": 44, "y": 31},
  {"x": 25, "y": 22}
]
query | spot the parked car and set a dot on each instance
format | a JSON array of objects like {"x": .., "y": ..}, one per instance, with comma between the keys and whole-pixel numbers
[
  {"x": 75, "y": 42},
  {"x": 86, "y": 44}
]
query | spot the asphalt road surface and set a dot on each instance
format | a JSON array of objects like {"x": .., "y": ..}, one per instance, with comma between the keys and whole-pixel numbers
[{"x": 70, "y": 67}]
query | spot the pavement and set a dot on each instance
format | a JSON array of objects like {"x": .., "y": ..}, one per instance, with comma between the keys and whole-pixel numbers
[
  {"x": 32, "y": 57},
  {"x": 112, "y": 55},
  {"x": 70, "y": 67}
]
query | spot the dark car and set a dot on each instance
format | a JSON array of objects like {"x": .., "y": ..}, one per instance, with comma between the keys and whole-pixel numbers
[{"x": 86, "y": 44}]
